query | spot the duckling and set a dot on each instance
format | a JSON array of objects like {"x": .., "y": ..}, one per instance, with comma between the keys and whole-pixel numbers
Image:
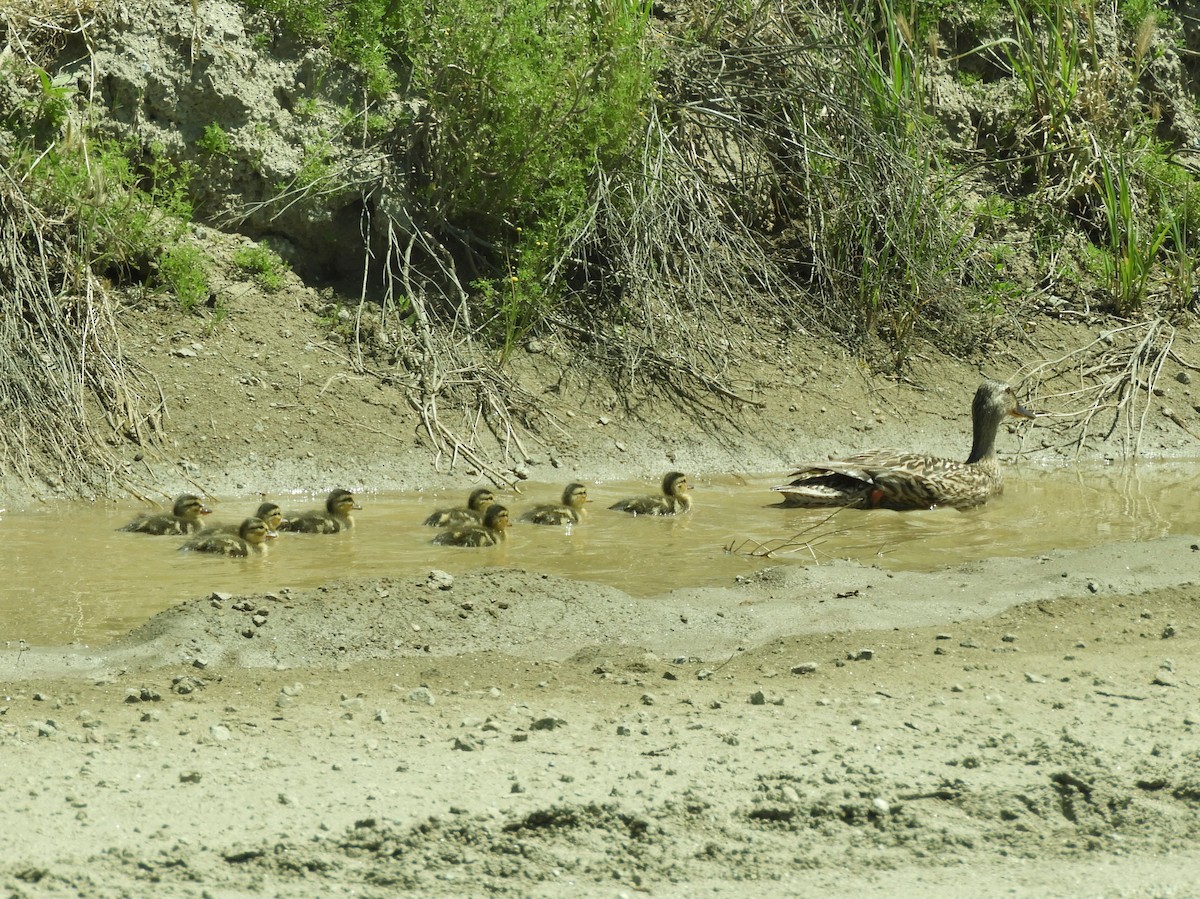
[
  {"x": 471, "y": 513},
  {"x": 335, "y": 517},
  {"x": 251, "y": 537},
  {"x": 183, "y": 518},
  {"x": 674, "y": 499},
  {"x": 493, "y": 530},
  {"x": 569, "y": 511},
  {"x": 271, "y": 515}
]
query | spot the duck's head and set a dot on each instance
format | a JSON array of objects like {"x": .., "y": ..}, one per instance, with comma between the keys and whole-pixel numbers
[
  {"x": 271, "y": 515},
  {"x": 255, "y": 531},
  {"x": 189, "y": 507},
  {"x": 574, "y": 496},
  {"x": 496, "y": 519},
  {"x": 341, "y": 503},
  {"x": 995, "y": 401},
  {"x": 675, "y": 484},
  {"x": 480, "y": 499}
]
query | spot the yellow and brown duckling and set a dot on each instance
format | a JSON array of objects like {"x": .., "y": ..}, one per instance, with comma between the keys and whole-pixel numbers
[
  {"x": 334, "y": 518},
  {"x": 184, "y": 518},
  {"x": 251, "y": 537},
  {"x": 493, "y": 530},
  {"x": 270, "y": 514},
  {"x": 569, "y": 511},
  {"x": 675, "y": 498},
  {"x": 887, "y": 480},
  {"x": 472, "y": 513}
]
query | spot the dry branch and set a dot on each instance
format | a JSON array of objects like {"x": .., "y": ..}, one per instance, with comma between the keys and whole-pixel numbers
[{"x": 1104, "y": 387}]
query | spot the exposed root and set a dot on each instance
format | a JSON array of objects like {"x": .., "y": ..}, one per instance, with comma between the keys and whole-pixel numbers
[{"x": 1104, "y": 388}]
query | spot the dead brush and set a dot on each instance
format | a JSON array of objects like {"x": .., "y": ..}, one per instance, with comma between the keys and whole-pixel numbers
[
  {"x": 68, "y": 393},
  {"x": 1104, "y": 390}
]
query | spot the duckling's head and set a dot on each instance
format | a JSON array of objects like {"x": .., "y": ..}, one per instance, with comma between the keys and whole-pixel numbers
[
  {"x": 496, "y": 519},
  {"x": 574, "y": 496},
  {"x": 255, "y": 531},
  {"x": 341, "y": 503},
  {"x": 480, "y": 499},
  {"x": 189, "y": 507},
  {"x": 675, "y": 484},
  {"x": 271, "y": 515}
]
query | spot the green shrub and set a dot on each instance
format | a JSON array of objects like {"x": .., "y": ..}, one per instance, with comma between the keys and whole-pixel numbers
[
  {"x": 215, "y": 141},
  {"x": 263, "y": 264},
  {"x": 514, "y": 111},
  {"x": 183, "y": 269}
]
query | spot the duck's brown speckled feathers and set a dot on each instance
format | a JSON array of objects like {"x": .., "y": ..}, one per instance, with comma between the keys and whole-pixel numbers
[
  {"x": 883, "y": 479},
  {"x": 675, "y": 498},
  {"x": 184, "y": 518},
  {"x": 493, "y": 530},
  {"x": 569, "y": 511},
  {"x": 471, "y": 513},
  {"x": 251, "y": 537},
  {"x": 334, "y": 518}
]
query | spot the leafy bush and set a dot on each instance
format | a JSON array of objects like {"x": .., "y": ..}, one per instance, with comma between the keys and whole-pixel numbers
[
  {"x": 182, "y": 269},
  {"x": 263, "y": 264},
  {"x": 514, "y": 109}
]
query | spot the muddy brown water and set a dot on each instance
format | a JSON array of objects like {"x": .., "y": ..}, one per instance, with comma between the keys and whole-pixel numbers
[{"x": 70, "y": 576}]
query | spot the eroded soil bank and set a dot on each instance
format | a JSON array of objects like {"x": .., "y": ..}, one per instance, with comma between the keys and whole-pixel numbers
[{"x": 1022, "y": 726}]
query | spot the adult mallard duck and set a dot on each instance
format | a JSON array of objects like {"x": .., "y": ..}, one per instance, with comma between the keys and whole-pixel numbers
[
  {"x": 471, "y": 513},
  {"x": 183, "y": 518},
  {"x": 887, "y": 480},
  {"x": 493, "y": 530},
  {"x": 335, "y": 517},
  {"x": 251, "y": 537},
  {"x": 675, "y": 498},
  {"x": 270, "y": 514},
  {"x": 569, "y": 511}
]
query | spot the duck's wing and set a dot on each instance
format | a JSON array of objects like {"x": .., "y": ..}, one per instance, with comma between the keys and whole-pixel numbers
[
  {"x": 161, "y": 524},
  {"x": 550, "y": 514},
  {"x": 469, "y": 535},
  {"x": 643, "y": 505},
  {"x": 870, "y": 480},
  {"x": 217, "y": 542},
  {"x": 311, "y": 523},
  {"x": 449, "y": 517}
]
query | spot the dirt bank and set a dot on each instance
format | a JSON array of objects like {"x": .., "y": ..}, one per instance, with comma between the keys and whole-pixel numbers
[{"x": 1025, "y": 726}]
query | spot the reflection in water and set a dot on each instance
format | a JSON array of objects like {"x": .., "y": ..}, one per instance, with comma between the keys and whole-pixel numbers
[{"x": 71, "y": 576}]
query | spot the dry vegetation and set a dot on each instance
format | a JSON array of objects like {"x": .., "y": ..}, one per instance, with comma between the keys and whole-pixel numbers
[{"x": 786, "y": 174}]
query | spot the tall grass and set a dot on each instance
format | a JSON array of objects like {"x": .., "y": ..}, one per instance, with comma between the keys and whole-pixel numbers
[{"x": 1133, "y": 238}]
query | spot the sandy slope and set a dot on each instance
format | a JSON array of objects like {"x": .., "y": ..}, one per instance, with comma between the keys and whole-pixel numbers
[{"x": 1021, "y": 727}]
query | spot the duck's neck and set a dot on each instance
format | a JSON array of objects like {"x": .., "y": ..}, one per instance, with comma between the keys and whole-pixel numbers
[
  {"x": 983, "y": 443},
  {"x": 680, "y": 502}
]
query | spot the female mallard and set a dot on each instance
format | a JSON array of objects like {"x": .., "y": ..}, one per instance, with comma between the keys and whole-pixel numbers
[
  {"x": 471, "y": 513},
  {"x": 333, "y": 518},
  {"x": 569, "y": 511},
  {"x": 183, "y": 518},
  {"x": 251, "y": 537},
  {"x": 674, "y": 499},
  {"x": 493, "y": 530},
  {"x": 270, "y": 514},
  {"x": 887, "y": 480}
]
